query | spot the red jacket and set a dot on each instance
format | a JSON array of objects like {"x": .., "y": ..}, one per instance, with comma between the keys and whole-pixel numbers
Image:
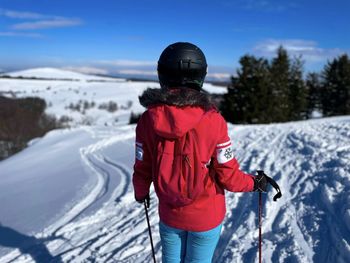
[{"x": 172, "y": 122}]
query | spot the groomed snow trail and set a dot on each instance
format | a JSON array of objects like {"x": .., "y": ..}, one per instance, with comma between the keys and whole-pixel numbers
[{"x": 311, "y": 223}]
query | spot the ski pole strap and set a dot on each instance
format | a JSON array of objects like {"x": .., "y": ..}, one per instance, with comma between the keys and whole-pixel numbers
[{"x": 276, "y": 186}]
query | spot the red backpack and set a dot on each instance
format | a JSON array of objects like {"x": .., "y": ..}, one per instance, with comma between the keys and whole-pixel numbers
[{"x": 180, "y": 174}]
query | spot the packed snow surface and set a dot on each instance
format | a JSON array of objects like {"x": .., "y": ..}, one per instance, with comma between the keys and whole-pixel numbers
[{"x": 68, "y": 197}]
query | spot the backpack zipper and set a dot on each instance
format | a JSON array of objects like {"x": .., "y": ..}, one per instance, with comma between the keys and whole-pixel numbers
[
  {"x": 188, "y": 160},
  {"x": 187, "y": 186}
]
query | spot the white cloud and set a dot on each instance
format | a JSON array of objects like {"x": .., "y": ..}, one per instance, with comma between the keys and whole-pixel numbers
[
  {"x": 44, "y": 24},
  {"x": 88, "y": 70},
  {"x": 18, "y": 34},
  {"x": 262, "y": 5},
  {"x": 20, "y": 15},
  {"x": 269, "y": 5},
  {"x": 127, "y": 63},
  {"x": 41, "y": 21},
  {"x": 309, "y": 50}
]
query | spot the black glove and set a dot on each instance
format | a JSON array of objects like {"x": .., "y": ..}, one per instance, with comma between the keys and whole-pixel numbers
[
  {"x": 260, "y": 182},
  {"x": 146, "y": 199}
]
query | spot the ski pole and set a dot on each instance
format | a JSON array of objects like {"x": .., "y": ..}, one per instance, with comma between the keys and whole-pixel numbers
[
  {"x": 278, "y": 195},
  {"x": 149, "y": 231},
  {"x": 260, "y": 217}
]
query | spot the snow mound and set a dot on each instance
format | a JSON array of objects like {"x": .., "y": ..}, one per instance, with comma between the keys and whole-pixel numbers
[{"x": 55, "y": 73}]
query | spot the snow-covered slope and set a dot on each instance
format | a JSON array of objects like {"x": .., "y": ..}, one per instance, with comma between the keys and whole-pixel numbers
[
  {"x": 68, "y": 197},
  {"x": 102, "y": 222},
  {"x": 83, "y": 102},
  {"x": 55, "y": 73}
]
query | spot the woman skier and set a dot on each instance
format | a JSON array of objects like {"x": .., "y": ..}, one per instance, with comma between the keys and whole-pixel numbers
[{"x": 183, "y": 147}]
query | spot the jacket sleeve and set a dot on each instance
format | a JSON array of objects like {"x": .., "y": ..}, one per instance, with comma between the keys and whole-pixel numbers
[
  {"x": 142, "y": 176},
  {"x": 226, "y": 166}
]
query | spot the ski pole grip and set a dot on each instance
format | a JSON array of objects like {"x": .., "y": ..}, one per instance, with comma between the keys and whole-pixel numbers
[
  {"x": 276, "y": 186},
  {"x": 261, "y": 172}
]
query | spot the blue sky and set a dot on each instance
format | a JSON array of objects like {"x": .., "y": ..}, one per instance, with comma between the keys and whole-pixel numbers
[{"x": 127, "y": 36}]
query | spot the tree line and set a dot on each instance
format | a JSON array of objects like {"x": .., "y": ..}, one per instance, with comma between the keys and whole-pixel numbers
[
  {"x": 279, "y": 90},
  {"x": 21, "y": 120}
]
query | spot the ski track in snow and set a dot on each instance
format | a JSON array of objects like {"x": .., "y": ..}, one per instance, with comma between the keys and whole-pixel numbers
[
  {"x": 300, "y": 227},
  {"x": 310, "y": 223}
]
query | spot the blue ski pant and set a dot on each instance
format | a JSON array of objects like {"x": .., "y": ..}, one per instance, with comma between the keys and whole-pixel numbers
[{"x": 187, "y": 246}]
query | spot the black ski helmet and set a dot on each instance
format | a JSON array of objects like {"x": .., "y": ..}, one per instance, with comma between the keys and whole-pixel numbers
[{"x": 182, "y": 64}]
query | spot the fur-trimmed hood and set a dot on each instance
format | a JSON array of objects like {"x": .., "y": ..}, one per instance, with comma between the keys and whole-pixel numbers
[
  {"x": 174, "y": 112},
  {"x": 180, "y": 97}
]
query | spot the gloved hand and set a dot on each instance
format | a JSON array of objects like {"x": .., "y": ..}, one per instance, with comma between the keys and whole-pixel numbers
[
  {"x": 146, "y": 199},
  {"x": 260, "y": 182}
]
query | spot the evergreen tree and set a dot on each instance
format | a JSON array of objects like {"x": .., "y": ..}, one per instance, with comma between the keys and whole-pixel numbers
[
  {"x": 313, "y": 99},
  {"x": 246, "y": 101},
  {"x": 297, "y": 91},
  {"x": 266, "y": 92},
  {"x": 280, "y": 69},
  {"x": 336, "y": 87}
]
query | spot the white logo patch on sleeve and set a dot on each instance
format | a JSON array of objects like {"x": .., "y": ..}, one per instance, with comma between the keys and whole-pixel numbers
[
  {"x": 224, "y": 152},
  {"x": 139, "y": 151}
]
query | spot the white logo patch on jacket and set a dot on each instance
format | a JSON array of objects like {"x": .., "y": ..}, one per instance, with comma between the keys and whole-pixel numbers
[
  {"x": 224, "y": 152},
  {"x": 139, "y": 151}
]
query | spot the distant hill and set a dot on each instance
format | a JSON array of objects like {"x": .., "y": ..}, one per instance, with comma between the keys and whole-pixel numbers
[{"x": 56, "y": 74}]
